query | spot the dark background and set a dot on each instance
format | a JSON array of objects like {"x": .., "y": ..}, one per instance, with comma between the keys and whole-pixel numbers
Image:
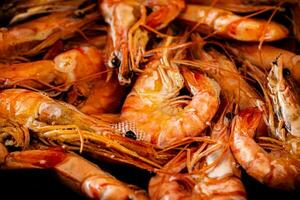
[{"x": 43, "y": 184}]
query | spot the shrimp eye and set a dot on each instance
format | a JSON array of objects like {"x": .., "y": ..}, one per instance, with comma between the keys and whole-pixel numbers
[
  {"x": 115, "y": 61},
  {"x": 286, "y": 72},
  {"x": 229, "y": 115},
  {"x": 130, "y": 134}
]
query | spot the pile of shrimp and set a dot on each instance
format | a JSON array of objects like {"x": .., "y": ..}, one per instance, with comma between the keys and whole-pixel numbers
[{"x": 197, "y": 92}]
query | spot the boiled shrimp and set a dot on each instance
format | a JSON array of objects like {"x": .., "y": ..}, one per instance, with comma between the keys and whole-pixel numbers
[
  {"x": 172, "y": 185},
  {"x": 222, "y": 180},
  {"x": 55, "y": 122},
  {"x": 217, "y": 178},
  {"x": 64, "y": 70},
  {"x": 30, "y": 38},
  {"x": 273, "y": 117},
  {"x": 26, "y": 9},
  {"x": 223, "y": 70},
  {"x": 264, "y": 56},
  {"x": 237, "y": 6},
  {"x": 226, "y": 24},
  {"x": 154, "y": 98},
  {"x": 104, "y": 97},
  {"x": 122, "y": 16},
  {"x": 277, "y": 168},
  {"x": 288, "y": 105},
  {"x": 76, "y": 172},
  {"x": 80, "y": 69}
]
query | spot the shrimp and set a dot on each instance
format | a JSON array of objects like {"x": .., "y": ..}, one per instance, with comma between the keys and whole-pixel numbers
[
  {"x": 121, "y": 17},
  {"x": 30, "y": 38},
  {"x": 277, "y": 168},
  {"x": 55, "y": 122},
  {"x": 154, "y": 98},
  {"x": 104, "y": 97},
  {"x": 65, "y": 69},
  {"x": 224, "y": 71},
  {"x": 81, "y": 67},
  {"x": 218, "y": 179},
  {"x": 226, "y": 24},
  {"x": 264, "y": 57},
  {"x": 237, "y": 6},
  {"x": 276, "y": 125},
  {"x": 223, "y": 179},
  {"x": 26, "y": 9},
  {"x": 288, "y": 107},
  {"x": 76, "y": 172},
  {"x": 172, "y": 185}
]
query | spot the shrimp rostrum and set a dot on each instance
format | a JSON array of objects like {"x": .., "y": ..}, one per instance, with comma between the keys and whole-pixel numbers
[
  {"x": 125, "y": 18},
  {"x": 56, "y": 123},
  {"x": 76, "y": 172}
]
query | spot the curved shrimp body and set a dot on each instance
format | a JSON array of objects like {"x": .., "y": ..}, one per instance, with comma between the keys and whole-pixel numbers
[
  {"x": 222, "y": 181},
  {"x": 122, "y": 15},
  {"x": 31, "y": 37},
  {"x": 154, "y": 99},
  {"x": 264, "y": 57},
  {"x": 232, "y": 83},
  {"x": 76, "y": 172},
  {"x": 66, "y": 68},
  {"x": 285, "y": 100},
  {"x": 276, "y": 169},
  {"x": 35, "y": 110},
  {"x": 229, "y": 25}
]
